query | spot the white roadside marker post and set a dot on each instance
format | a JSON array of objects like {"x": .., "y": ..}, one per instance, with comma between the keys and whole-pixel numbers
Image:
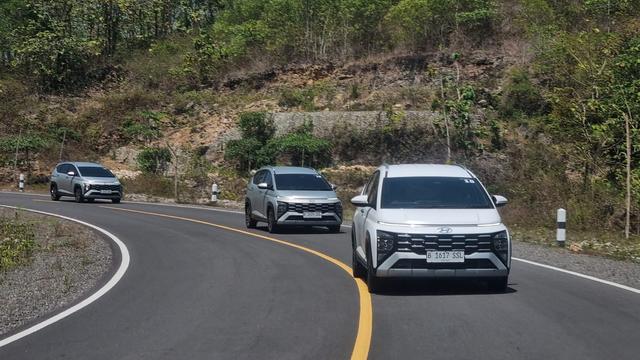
[
  {"x": 21, "y": 183},
  {"x": 561, "y": 234},
  {"x": 214, "y": 193}
]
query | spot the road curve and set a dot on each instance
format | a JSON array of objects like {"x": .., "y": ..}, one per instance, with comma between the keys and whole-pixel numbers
[{"x": 197, "y": 292}]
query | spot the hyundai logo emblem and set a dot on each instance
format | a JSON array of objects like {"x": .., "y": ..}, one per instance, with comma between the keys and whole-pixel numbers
[{"x": 445, "y": 230}]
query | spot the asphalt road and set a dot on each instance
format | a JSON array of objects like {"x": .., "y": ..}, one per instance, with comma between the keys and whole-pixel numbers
[{"x": 193, "y": 291}]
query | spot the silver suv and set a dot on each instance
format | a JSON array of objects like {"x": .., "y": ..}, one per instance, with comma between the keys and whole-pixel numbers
[
  {"x": 429, "y": 221},
  {"x": 84, "y": 181},
  {"x": 291, "y": 196}
]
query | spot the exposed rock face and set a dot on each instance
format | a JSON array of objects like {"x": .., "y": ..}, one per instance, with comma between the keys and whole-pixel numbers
[{"x": 324, "y": 123}]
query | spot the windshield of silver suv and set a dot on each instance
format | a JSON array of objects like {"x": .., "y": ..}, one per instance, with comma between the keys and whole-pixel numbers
[
  {"x": 94, "y": 171},
  {"x": 433, "y": 193},
  {"x": 303, "y": 182}
]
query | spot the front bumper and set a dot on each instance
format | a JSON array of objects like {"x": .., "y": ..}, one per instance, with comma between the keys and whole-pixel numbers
[
  {"x": 297, "y": 219},
  {"x": 415, "y": 265},
  {"x": 96, "y": 194}
]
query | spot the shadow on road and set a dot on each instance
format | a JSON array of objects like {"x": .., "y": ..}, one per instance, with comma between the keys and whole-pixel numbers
[
  {"x": 439, "y": 287},
  {"x": 297, "y": 230}
]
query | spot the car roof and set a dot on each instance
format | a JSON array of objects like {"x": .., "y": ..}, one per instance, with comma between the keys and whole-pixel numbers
[
  {"x": 429, "y": 170},
  {"x": 81, "y": 163},
  {"x": 291, "y": 170}
]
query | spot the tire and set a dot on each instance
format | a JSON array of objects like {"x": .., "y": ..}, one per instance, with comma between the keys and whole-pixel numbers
[
  {"x": 115, "y": 201},
  {"x": 358, "y": 270},
  {"x": 77, "y": 193},
  {"x": 373, "y": 282},
  {"x": 55, "y": 196},
  {"x": 248, "y": 219},
  {"x": 334, "y": 229},
  {"x": 272, "y": 225},
  {"x": 498, "y": 285}
]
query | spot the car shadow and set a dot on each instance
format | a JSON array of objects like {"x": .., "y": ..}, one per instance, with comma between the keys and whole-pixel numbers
[
  {"x": 438, "y": 287},
  {"x": 297, "y": 230}
]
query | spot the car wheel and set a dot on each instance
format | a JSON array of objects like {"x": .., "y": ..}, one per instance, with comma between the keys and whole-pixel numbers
[
  {"x": 373, "y": 282},
  {"x": 78, "y": 195},
  {"x": 248, "y": 219},
  {"x": 55, "y": 196},
  {"x": 334, "y": 229},
  {"x": 115, "y": 201},
  {"x": 498, "y": 285},
  {"x": 272, "y": 225},
  {"x": 358, "y": 270}
]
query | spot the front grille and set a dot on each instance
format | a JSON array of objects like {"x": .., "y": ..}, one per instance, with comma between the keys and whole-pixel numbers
[
  {"x": 423, "y": 264},
  {"x": 301, "y": 218},
  {"x": 114, "y": 188},
  {"x": 307, "y": 207},
  {"x": 420, "y": 243}
]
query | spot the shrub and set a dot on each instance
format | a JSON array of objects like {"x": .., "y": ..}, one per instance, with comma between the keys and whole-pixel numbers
[
  {"x": 291, "y": 98},
  {"x": 256, "y": 125},
  {"x": 154, "y": 160},
  {"x": 521, "y": 96}
]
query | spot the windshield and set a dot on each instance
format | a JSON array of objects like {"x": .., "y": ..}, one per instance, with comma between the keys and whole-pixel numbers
[
  {"x": 94, "y": 171},
  {"x": 433, "y": 193},
  {"x": 308, "y": 182}
]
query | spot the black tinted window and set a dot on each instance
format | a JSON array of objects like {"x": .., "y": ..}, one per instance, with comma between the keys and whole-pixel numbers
[
  {"x": 311, "y": 182},
  {"x": 94, "y": 171},
  {"x": 372, "y": 191},
  {"x": 61, "y": 169},
  {"x": 433, "y": 193},
  {"x": 258, "y": 177}
]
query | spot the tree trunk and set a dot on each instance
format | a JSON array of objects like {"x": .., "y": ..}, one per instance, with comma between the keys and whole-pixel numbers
[
  {"x": 627, "y": 220},
  {"x": 446, "y": 119}
]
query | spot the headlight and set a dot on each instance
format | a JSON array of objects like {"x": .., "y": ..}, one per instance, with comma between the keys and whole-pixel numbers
[
  {"x": 282, "y": 208},
  {"x": 338, "y": 209},
  {"x": 501, "y": 241},
  {"x": 386, "y": 241}
]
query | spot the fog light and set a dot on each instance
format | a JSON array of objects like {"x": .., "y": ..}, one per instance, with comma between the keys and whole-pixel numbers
[
  {"x": 386, "y": 241},
  {"x": 87, "y": 187}
]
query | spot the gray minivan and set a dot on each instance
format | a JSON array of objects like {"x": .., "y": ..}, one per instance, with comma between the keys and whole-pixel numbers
[
  {"x": 291, "y": 196},
  {"x": 84, "y": 181}
]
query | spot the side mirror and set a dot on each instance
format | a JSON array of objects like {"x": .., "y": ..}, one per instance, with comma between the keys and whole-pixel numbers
[
  {"x": 71, "y": 173},
  {"x": 264, "y": 186},
  {"x": 360, "y": 201},
  {"x": 334, "y": 187},
  {"x": 499, "y": 201}
]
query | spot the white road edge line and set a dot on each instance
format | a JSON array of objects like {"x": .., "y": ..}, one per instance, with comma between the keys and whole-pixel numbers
[
  {"x": 588, "y": 277},
  {"x": 124, "y": 264}
]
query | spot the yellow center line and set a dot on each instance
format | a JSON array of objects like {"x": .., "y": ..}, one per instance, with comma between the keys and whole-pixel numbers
[{"x": 365, "y": 321}]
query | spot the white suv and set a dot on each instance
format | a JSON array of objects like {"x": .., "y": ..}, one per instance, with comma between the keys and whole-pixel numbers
[{"x": 429, "y": 221}]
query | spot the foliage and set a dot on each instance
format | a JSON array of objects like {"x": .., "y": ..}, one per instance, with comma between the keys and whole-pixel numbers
[
  {"x": 154, "y": 160},
  {"x": 17, "y": 242},
  {"x": 302, "y": 148},
  {"x": 256, "y": 125},
  {"x": 520, "y": 96}
]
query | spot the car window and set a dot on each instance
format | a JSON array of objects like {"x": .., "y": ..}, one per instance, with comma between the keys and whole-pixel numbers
[
  {"x": 66, "y": 168},
  {"x": 433, "y": 193},
  {"x": 95, "y": 171},
  {"x": 60, "y": 168},
  {"x": 268, "y": 178},
  {"x": 302, "y": 182},
  {"x": 73, "y": 168},
  {"x": 257, "y": 178},
  {"x": 372, "y": 191}
]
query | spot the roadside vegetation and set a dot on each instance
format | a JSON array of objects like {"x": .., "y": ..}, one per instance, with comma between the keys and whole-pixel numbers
[
  {"x": 539, "y": 98},
  {"x": 17, "y": 242}
]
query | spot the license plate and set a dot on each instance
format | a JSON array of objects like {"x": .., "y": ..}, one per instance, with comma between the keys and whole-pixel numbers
[
  {"x": 312, "y": 215},
  {"x": 456, "y": 256},
  {"x": 106, "y": 192}
]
